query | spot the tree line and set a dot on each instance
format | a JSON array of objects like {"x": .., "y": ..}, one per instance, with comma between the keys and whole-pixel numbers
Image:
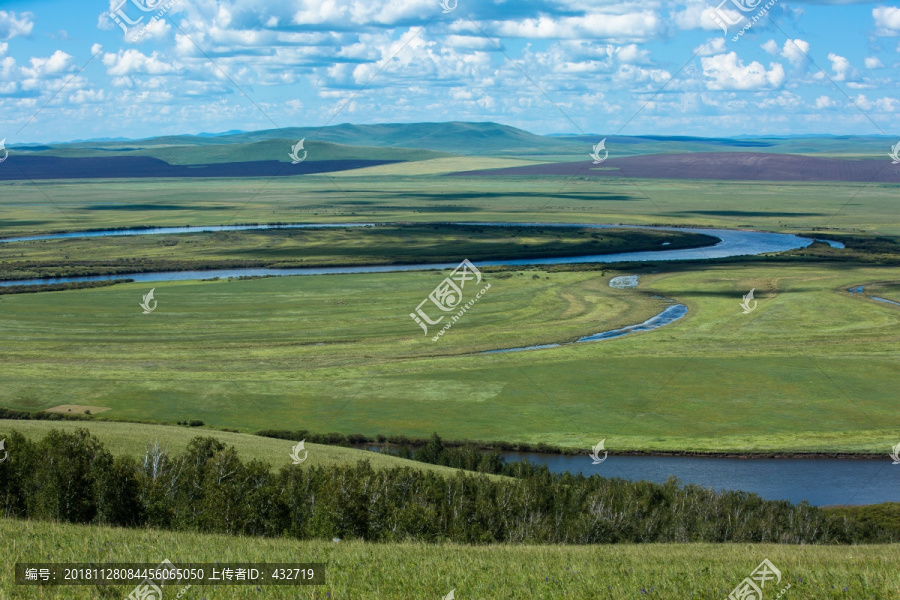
[{"x": 73, "y": 478}]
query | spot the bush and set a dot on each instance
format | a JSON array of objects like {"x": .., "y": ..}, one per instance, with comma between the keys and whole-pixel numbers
[{"x": 71, "y": 477}]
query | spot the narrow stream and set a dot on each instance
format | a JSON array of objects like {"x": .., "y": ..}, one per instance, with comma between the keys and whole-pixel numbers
[{"x": 670, "y": 314}]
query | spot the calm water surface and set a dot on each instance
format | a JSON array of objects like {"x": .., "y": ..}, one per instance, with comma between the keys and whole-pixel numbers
[
  {"x": 820, "y": 481},
  {"x": 732, "y": 243}
]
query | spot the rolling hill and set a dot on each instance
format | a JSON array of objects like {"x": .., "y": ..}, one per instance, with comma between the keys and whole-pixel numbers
[{"x": 348, "y": 147}]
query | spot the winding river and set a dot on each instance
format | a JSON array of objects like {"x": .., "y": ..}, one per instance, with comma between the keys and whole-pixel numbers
[
  {"x": 819, "y": 481},
  {"x": 732, "y": 243}
]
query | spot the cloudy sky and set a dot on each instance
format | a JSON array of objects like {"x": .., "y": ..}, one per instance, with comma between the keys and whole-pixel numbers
[{"x": 70, "y": 70}]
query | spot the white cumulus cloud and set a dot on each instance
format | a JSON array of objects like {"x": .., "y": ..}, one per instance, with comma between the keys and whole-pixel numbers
[
  {"x": 824, "y": 102},
  {"x": 887, "y": 20},
  {"x": 12, "y": 25},
  {"x": 712, "y": 46},
  {"x": 843, "y": 70},
  {"x": 728, "y": 72},
  {"x": 639, "y": 25},
  {"x": 41, "y": 68},
  {"x": 131, "y": 61},
  {"x": 796, "y": 52}
]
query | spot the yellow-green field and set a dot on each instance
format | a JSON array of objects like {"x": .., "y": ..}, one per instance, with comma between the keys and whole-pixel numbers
[{"x": 412, "y": 571}]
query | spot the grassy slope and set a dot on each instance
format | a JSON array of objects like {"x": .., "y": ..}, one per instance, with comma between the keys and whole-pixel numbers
[
  {"x": 435, "y": 166},
  {"x": 813, "y": 368},
  {"x": 131, "y": 439},
  {"x": 415, "y": 571}
]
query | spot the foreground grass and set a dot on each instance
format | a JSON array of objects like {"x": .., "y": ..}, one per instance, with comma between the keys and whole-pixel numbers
[
  {"x": 414, "y": 571},
  {"x": 132, "y": 439}
]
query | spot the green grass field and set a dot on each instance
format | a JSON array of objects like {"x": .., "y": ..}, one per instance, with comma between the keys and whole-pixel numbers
[
  {"x": 414, "y": 571},
  {"x": 801, "y": 206},
  {"x": 811, "y": 369}
]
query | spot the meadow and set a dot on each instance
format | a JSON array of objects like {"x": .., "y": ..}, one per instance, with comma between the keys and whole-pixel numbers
[
  {"x": 408, "y": 571},
  {"x": 811, "y": 369},
  {"x": 363, "y": 196}
]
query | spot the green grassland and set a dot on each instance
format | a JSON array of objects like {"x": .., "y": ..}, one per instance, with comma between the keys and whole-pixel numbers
[
  {"x": 132, "y": 439},
  {"x": 811, "y": 369},
  {"x": 414, "y": 571},
  {"x": 282, "y": 248},
  {"x": 434, "y": 166},
  {"x": 803, "y": 206}
]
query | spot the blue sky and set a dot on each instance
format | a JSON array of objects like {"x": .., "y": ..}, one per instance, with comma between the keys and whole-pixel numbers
[{"x": 68, "y": 71}]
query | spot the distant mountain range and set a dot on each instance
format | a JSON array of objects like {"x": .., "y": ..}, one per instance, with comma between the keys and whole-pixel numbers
[
  {"x": 444, "y": 138},
  {"x": 406, "y": 142},
  {"x": 457, "y": 138}
]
